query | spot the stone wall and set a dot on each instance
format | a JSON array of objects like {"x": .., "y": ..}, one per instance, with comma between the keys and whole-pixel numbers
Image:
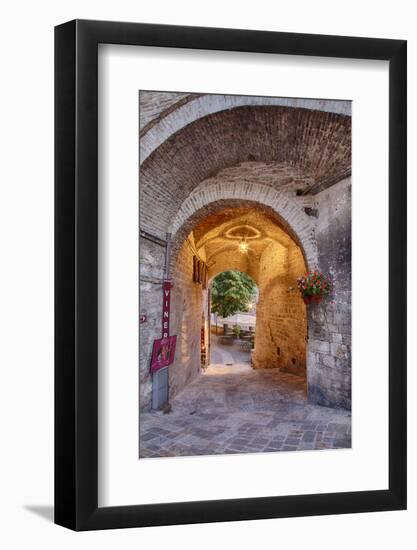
[
  {"x": 187, "y": 304},
  {"x": 281, "y": 324},
  {"x": 187, "y": 300},
  {"x": 329, "y": 373},
  {"x": 151, "y": 272}
]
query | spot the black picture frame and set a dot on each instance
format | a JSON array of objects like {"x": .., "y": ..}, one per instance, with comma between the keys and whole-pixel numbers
[{"x": 76, "y": 271}]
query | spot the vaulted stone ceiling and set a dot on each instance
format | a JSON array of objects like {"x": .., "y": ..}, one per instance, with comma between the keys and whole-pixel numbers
[
  {"x": 228, "y": 225},
  {"x": 162, "y": 114},
  {"x": 313, "y": 144},
  {"x": 217, "y": 239}
]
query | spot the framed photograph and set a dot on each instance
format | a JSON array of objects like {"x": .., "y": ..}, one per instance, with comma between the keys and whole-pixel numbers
[{"x": 230, "y": 244}]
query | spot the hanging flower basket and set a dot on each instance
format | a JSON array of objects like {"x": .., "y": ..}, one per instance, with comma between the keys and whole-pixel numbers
[
  {"x": 312, "y": 299},
  {"x": 314, "y": 286}
]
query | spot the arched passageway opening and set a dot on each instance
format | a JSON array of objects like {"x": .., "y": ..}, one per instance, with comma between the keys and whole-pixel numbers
[
  {"x": 233, "y": 305},
  {"x": 251, "y": 239},
  {"x": 289, "y": 163}
]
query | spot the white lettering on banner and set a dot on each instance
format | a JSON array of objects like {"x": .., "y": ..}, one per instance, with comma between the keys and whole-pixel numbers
[{"x": 166, "y": 308}]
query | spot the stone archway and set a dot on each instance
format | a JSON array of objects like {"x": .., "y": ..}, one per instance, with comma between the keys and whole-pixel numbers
[
  {"x": 287, "y": 210},
  {"x": 177, "y": 110},
  {"x": 297, "y": 149},
  {"x": 274, "y": 263},
  {"x": 288, "y": 159}
]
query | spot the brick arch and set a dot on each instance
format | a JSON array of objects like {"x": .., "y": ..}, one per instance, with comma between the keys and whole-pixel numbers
[
  {"x": 313, "y": 146},
  {"x": 281, "y": 315},
  {"x": 290, "y": 217},
  {"x": 192, "y": 107}
]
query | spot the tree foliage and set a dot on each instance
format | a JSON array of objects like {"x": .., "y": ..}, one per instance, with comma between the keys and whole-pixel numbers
[{"x": 231, "y": 291}]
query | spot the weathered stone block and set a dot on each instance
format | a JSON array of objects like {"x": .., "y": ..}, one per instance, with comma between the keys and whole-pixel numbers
[
  {"x": 320, "y": 346},
  {"x": 328, "y": 360},
  {"x": 338, "y": 350}
]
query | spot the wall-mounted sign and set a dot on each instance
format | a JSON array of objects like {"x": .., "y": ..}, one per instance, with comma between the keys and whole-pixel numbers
[
  {"x": 166, "y": 307},
  {"x": 163, "y": 352}
]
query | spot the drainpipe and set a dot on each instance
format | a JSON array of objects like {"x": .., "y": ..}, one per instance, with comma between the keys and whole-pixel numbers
[{"x": 167, "y": 268}]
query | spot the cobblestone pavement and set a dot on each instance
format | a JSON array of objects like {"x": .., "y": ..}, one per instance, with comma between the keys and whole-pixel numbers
[{"x": 232, "y": 408}]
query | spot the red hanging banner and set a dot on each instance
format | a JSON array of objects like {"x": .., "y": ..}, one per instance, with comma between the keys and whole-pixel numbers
[
  {"x": 163, "y": 352},
  {"x": 166, "y": 305}
]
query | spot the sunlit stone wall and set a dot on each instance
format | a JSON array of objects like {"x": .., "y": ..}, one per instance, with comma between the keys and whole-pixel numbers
[
  {"x": 281, "y": 325},
  {"x": 187, "y": 303}
]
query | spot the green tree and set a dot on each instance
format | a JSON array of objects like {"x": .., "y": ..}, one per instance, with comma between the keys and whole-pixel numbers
[{"x": 231, "y": 291}]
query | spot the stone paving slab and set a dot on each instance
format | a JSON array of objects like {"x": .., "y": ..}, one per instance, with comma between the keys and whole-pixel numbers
[
  {"x": 235, "y": 409},
  {"x": 249, "y": 422}
]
